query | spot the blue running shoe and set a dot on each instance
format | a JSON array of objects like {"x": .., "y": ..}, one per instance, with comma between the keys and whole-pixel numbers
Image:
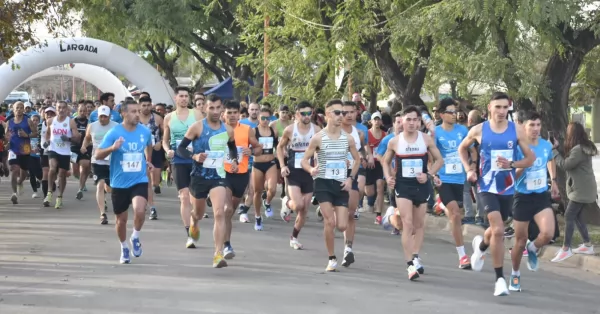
[
  {"x": 385, "y": 221},
  {"x": 515, "y": 283},
  {"x": 136, "y": 246},
  {"x": 532, "y": 259},
  {"x": 124, "y": 256}
]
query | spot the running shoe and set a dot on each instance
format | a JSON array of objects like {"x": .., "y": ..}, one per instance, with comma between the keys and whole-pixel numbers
[
  {"x": 208, "y": 202},
  {"x": 285, "y": 210},
  {"x": 219, "y": 261},
  {"x": 258, "y": 224},
  {"x": 418, "y": 265},
  {"x": 136, "y": 246},
  {"x": 477, "y": 258},
  {"x": 348, "y": 258},
  {"x": 500, "y": 288},
  {"x": 583, "y": 249},
  {"x": 58, "y": 202},
  {"x": 319, "y": 215},
  {"x": 48, "y": 199},
  {"x": 190, "y": 244},
  {"x": 79, "y": 195},
  {"x": 378, "y": 220},
  {"x": 205, "y": 215},
  {"x": 356, "y": 215},
  {"x": 103, "y": 219},
  {"x": 532, "y": 260},
  {"x": 157, "y": 189},
  {"x": 562, "y": 255},
  {"x": 228, "y": 252},
  {"x": 35, "y": 195},
  {"x": 14, "y": 199},
  {"x": 385, "y": 221},
  {"x": 465, "y": 262},
  {"x": 268, "y": 209},
  {"x": 413, "y": 274},
  {"x": 395, "y": 232},
  {"x": 153, "y": 214},
  {"x": 244, "y": 218},
  {"x": 125, "y": 259},
  {"x": 194, "y": 232},
  {"x": 294, "y": 244},
  {"x": 509, "y": 232},
  {"x": 515, "y": 283},
  {"x": 331, "y": 265}
]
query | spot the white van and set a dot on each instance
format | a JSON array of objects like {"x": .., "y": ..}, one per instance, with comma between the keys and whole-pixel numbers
[{"x": 17, "y": 96}]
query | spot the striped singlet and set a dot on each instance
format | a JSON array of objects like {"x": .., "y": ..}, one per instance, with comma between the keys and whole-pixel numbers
[{"x": 332, "y": 157}]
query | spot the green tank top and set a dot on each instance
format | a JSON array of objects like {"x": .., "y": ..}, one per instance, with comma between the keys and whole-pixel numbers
[
  {"x": 178, "y": 129},
  {"x": 280, "y": 128}
]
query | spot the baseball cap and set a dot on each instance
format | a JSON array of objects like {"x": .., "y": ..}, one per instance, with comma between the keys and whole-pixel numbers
[
  {"x": 27, "y": 104},
  {"x": 50, "y": 109},
  {"x": 104, "y": 111},
  {"x": 376, "y": 115}
]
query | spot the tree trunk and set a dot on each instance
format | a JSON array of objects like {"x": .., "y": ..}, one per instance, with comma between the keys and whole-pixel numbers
[{"x": 373, "y": 90}]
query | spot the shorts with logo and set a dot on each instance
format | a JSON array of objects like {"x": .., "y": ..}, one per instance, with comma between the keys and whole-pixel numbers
[
  {"x": 451, "y": 192},
  {"x": 158, "y": 158},
  {"x": 20, "y": 160},
  {"x": 64, "y": 161},
  {"x": 237, "y": 183},
  {"x": 496, "y": 203},
  {"x": 101, "y": 172},
  {"x": 301, "y": 179},
  {"x": 181, "y": 175},
  {"x": 200, "y": 187},
  {"x": 374, "y": 174},
  {"x": 526, "y": 206},
  {"x": 330, "y": 191},
  {"x": 122, "y": 198},
  {"x": 415, "y": 192}
]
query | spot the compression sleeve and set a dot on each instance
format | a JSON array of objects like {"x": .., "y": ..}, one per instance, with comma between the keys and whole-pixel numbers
[
  {"x": 233, "y": 153},
  {"x": 182, "y": 148}
]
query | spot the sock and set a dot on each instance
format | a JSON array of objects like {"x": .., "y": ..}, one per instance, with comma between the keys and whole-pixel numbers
[
  {"x": 415, "y": 255},
  {"x": 516, "y": 273},
  {"x": 332, "y": 257},
  {"x": 135, "y": 234},
  {"x": 410, "y": 263},
  {"x": 187, "y": 230},
  {"x": 227, "y": 243},
  {"x": 53, "y": 187},
  {"x": 531, "y": 247},
  {"x": 499, "y": 273},
  {"x": 124, "y": 245},
  {"x": 371, "y": 200},
  {"x": 45, "y": 187},
  {"x": 483, "y": 246},
  {"x": 461, "y": 251},
  {"x": 377, "y": 214},
  {"x": 295, "y": 233}
]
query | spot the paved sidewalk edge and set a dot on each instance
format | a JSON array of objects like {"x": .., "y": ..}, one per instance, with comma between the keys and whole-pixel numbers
[{"x": 589, "y": 263}]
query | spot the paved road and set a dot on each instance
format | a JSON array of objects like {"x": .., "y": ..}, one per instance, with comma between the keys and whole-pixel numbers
[{"x": 63, "y": 261}]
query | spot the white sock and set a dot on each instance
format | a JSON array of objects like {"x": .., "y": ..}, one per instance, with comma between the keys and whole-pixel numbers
[
  {"x": 461, "y": 251},
  {"x": 124, "y": 245},
  {"x": 531, "y": 247},
  {"x": 516, "y": 272},
  {"x": 135, "y": 234},
  {"x": 348, "y": 249}
]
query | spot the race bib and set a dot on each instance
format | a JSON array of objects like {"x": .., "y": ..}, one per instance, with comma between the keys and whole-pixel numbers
[
  {"x": 267, "y": 142},
  {"x": 11, "y": 155},
  {"x": 411, "y": 167},
  {"x": 350, "y": 161},
  {"x": 506, "y": 153},
  {"x": 35, "y": 147},
  {"x": 73, "y": 157},
  {"x": 536, "y": 179},
  {"x": 132, "y": 162},
  {"x": 153, "y": 140},
  {"x": 239, "y": 151},
  {"x": 335, "y": 170},
  {"x": 298, "y": 160},
  {"x": 59, "y": 142},
  {"x": 177, "y": 142},
  {"x": 453, "y": 165},
  {"x": 214, "y": 159}
]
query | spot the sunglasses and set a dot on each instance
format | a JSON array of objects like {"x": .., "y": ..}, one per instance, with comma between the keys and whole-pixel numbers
[
  {"x": 338, "y": 112},
  {"x": 263, "y": 118},
  {"x": 306, "y": 113},
  {"x": 450, "y": 112}
]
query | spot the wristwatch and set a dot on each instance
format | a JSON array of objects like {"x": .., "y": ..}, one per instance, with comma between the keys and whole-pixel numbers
[{"x": 512, "y": 164}]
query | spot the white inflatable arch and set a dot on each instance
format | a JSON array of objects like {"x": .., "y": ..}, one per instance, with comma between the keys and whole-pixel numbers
[
  {"x": 97, "y": 76},
  {"x": 89, "y": 51}
]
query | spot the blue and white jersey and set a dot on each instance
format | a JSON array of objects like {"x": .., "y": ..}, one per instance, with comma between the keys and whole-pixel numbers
[
  {"x": 535, "y": 178},
  {"x": 447, "y": 142},
  {"x": 493, "y": 179}
]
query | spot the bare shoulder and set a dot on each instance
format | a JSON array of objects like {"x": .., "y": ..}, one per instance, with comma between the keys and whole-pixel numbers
[{"x": 317, "y": 128}]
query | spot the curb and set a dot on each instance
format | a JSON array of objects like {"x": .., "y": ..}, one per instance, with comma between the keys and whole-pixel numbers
[{"x": 590, "y": 263}]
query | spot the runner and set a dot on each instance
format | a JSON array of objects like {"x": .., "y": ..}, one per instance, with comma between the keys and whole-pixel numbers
[
  {"x": 130, "y": 148},
  {"x": 80, "y": 158},
  {"x": 332, "y": 183},
  {"x": 532, "y": 202},
  {"x": 448, "y": 136},
  {"x": 410, "y": 150},
  {"x": 375, "y": 184},
  {"x": 199, "y": 103},
  {"x": 154, "y": 123},
  {"x": 49, "y": 113},
  {"x": 498, "y": 139},
  {"x": 175, "y": 126},
  {"x": 100, "y": 167},
  {"x": 264, "y": 168},
  {"x": 107, "y": 99},
  {"x": 62, "y": 130},
  {"x": 212, "y": 140},
  {"x": 252, "y": 121},
  {"x": 20, "y": 130},
  {"x": 237, "y": 181},
  {"x": 295, "y": 139},
  {"x": 35, "y": 165},
  {"x": 279, "y": 126}
]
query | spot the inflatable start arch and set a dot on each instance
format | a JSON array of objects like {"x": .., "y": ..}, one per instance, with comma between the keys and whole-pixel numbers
[{"x": 89, "y": 51}]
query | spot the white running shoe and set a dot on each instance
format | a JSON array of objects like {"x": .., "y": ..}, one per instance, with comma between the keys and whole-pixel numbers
[
  {"x": 332, "y": 265},
  {"x": 582, "y": 249},
  {"x": 562, "y": 255},
  {"x": 500, "y": 288},
  {"x": 190, "y": 243},
  {"x": 318, "y": 212},
  {"x": 244, "y": 218},
  {"x": 294, "y": 244},
  {"x": 285, "y": 210},
  {"x": 35, "y": 195},
  {"x": 478, "y": 256}
]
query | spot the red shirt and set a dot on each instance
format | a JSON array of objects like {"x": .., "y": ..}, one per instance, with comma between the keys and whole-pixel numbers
[{"x": 373, "y": 141}]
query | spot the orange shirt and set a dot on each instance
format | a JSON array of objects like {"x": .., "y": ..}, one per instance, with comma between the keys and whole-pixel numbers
[{"x": 241, "y": 135}]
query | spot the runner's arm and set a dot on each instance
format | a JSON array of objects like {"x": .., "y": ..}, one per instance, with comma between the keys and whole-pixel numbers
[
  {"x": 254, "y": 142},
  {"x": 529, "y": 158},
  {"x": 192, "y": 133},
  {"x": 463, "y": 148},
  {"x": 386, "y": 163},
  {"x": 233, "y": 153},
  {"x": 48, "y": 130},
  {"x": 313, "y": 145},
  {"x": 74, "y": 132},
  {"x": 435, "y": 153},
  {"x": 33, "y": 128},
  {"x": 283, "y": 142},
  {"x": 87, "y": 138},
  {"x": 166, "y": 139},
  {"x": 355, "y": 156},
  {"x": 552, "y": 170}
]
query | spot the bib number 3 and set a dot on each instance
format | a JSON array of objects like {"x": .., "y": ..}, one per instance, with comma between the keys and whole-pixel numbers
[{"x": 411, "y": 167}]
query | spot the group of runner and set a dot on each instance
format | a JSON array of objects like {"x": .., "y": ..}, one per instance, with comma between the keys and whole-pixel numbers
[{"x": 217, "y": 159}]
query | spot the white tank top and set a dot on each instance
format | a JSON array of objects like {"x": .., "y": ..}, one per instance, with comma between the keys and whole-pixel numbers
[
  {"x": 356, "y": 138},
  {"x": 44, "y": 130},
  {"x": 411, "y": 158},
  {"x": 57, "y": 145},
  {"x": 97, "y": 132},
  {"x": 299, "y": 141}
]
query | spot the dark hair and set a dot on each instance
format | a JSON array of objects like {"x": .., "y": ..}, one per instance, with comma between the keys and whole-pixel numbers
[
  {"x": 334, "y": 102},
  {"x": 106, "y": 96},
  {"x": 127, "y": 103},
  {"x": 89, "y": 102},
  {"x": 303, "y": 104},
  {"x": 410, "y": 109},
  {"x": 445, "y": 103},
  {"x": 244, "y": 110},
  {"x": 521, "y": 114},
  {"x": 161, "y": 104},
  {"x": 350, "y": 103},
  {"x": 266, "y": 104},
  {"x": 213, "y": 97},
  {"x": 181, "y": 88},
  {"x": 128, "y": 98},
  {"x": 530, "y": 115},
  {"x": 198, "y": 94},
  {"x": 145, "y": 99},
  {"x": 398, "y": 114},
  {"x": 266, "y": 109},
  {"x": 499, "y": 96},
  {"x": 81, "y": 101},
  {"x": 576, "y": 135},
  {"x": 232, "y": 105},
  {"x": 145, "y": 93}
]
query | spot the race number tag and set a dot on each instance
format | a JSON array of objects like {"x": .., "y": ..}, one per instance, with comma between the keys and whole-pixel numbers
[
  {"x": 350, "y": 161},
  {"x": 153, "y": 140},
  {"x": 536, "y": 179},
  {"x": 506, "y": 153},
  {"x": 132, "y": 162},
  {"x": 335, "y": 170},
  {"x": 453, "y": 165},
  {"x": 35, "y": 146},
  {"x": 298, "y": 160},
  {"x": 73, "y": 157},
  {"x": 177, "y": 142},
  {"x": 239, "y": 151},
  {"x": 411, "y": 167},
  {"x": 267, "y": 142},
  {"x": 11, "y": 155},
  {"x": 214, "y": 159},
  {"x": 59, "y": 142}
]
